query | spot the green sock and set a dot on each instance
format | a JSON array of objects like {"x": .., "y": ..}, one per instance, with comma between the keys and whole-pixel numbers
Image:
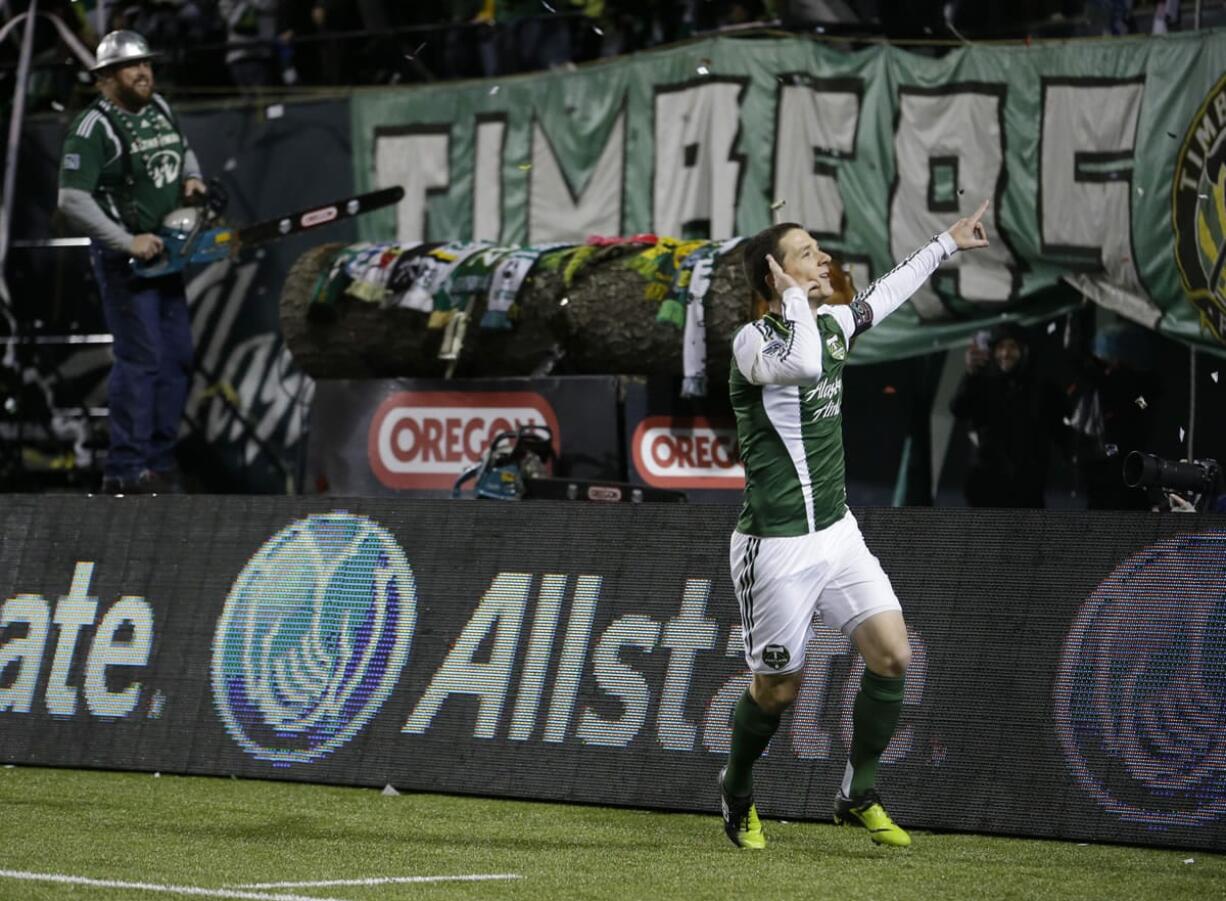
[
  {"x": 874, "y": 717},
  {"x": 752, "y": 728}
]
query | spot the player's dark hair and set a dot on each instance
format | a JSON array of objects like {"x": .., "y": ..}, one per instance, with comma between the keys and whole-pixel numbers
[{"x": 757, "y": 248}]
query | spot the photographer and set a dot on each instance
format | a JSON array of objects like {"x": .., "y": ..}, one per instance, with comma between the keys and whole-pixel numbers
[
  {"x": 1014, "y": 418},
  {"x": 1186, "y": 486},
  {"x": 1117, "y": 395}
]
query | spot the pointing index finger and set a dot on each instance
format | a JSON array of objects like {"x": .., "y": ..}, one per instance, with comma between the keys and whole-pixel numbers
[{"x": 983, "y": 208}]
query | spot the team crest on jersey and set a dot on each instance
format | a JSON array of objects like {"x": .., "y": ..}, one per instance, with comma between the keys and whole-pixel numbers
[
  {"x": 163, "y": 167},
  {"x": 774, "y": 349},
  {"x": 776, "y": 656},
  {"x": 1198, "y": 211},
  {"x": 835, "y": 345}
]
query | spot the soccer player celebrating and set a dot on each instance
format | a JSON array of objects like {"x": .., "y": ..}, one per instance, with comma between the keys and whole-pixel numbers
[{"x": 797, "y": 549}]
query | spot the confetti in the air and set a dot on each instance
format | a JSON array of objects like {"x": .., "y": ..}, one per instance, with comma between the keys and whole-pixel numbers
[
  {"x": 413, "y": 55},
  {"x": 1213, "y": 375},
  {"x": 598, "y": 30},
  {"x": 1181, "y": 433},
  {"x": 1172, "y": 136},
  {"x": 564, "y": 301},
  {"x": 57, "y": 106},
  {"x": 1140, "y": 191},
  {"x": 276, "y": 111},
  {"x": 1051, "y": 328},
  {"x": 1140, "y": 402},
  {"x": 494, "y": 90},
  {"x": 548, "y": 7},
  {"x": 1203, "y": 196},
  {"x": 704, "y": 67},
  {"x": 524, "y": 167},
  {"x": 230, "y": 165},
  {"x": 1189, "y": 860},
  {"x": 778, "y": 204}
]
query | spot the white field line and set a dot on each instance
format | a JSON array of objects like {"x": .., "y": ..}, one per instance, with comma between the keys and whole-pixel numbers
[
  {"x": 382, "y": 880},
  {"x": 156, "y": 887}
]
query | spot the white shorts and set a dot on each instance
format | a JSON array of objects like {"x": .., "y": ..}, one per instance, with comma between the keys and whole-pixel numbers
[{"x": 781, "y": 582}]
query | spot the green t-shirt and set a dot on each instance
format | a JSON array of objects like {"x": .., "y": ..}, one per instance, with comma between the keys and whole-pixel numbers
[
  {"x": 791, "y": 435},
  {"x": 93, "y": 161}
]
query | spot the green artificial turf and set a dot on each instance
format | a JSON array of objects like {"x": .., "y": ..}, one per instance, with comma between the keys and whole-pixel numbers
[{"x": 215, "y": 833}]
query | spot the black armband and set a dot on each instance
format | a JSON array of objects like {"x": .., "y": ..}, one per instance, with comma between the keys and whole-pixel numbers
[{"x": 861, "y": 314}]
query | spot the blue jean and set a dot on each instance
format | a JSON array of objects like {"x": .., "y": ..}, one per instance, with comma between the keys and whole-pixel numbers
[{"x": 147, "y": 391}]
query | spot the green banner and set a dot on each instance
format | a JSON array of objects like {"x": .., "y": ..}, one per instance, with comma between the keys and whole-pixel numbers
[{"x": 1104, "y": 160}]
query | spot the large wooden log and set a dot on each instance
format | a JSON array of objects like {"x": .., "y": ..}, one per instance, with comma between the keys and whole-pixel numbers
[{"x": 601, "y": 324}]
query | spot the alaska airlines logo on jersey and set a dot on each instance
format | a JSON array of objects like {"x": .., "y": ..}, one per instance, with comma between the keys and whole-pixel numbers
[
  {"x": 1139, "y": 703},
  {"x": 163, "y": 167},
  {"x": 834, "y": 344},
  {"x": 313, "y": 637},
  {"x": 140, "y": 145},
  {"x": 829, "y": 390},
  {"x": 1198, "y": 211}
]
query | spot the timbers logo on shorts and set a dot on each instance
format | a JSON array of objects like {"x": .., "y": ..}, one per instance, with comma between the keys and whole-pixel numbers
[
  {"x": 776, "y": 656},
  {"x": 1198, "y": 210}
]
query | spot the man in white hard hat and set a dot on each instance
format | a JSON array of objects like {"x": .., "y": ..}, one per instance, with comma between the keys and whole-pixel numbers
[{"x": 125, "y": 166}]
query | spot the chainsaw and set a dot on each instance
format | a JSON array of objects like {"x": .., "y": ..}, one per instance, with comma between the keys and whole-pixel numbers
[
  {"x": 510, "y": 458},
  {"x": 192, "y": 235}
]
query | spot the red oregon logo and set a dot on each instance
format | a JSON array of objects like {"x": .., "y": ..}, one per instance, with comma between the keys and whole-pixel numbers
[
  {"x": 425, "y": 439},
  {"x": 687, "y": 452},
  {"x": 318, "y": 217}
]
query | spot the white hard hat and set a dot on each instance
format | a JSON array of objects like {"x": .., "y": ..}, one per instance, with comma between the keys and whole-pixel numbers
[{"x": 119, "y": 48}]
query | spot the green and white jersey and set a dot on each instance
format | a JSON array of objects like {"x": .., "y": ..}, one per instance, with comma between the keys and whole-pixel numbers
[
  {"x": 786, "y": 385},
  {"x": 93, "y": 161}
]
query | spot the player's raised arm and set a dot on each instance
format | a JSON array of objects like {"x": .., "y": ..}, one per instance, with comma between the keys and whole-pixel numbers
[
  {"x": 969, "y": 233},
  {"x": 767, "y": 357},
  {"x": 895, "y": 288}
]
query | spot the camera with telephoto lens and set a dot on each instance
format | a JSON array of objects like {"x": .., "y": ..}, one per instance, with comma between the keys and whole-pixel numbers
[{"x": 1202, "y": 479}]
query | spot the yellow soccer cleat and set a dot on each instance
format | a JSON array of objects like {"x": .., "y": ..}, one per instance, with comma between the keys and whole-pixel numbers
[
  {"x": 741, "y": 823},
  {"x": 867, "y": 811}
]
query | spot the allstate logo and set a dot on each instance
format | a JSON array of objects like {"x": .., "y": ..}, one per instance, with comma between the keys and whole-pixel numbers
[
  {"x": 314, "y": 635},
  {"x": 1140, "y": 698}
]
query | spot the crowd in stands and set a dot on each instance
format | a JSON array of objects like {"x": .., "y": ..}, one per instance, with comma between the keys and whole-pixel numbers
[{"x": 220, "y": 45}]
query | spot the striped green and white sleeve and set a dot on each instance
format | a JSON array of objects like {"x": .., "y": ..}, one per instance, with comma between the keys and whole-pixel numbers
[
  {"x": 895, "y": 288},
  {"x": 792, "y": 356}
]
